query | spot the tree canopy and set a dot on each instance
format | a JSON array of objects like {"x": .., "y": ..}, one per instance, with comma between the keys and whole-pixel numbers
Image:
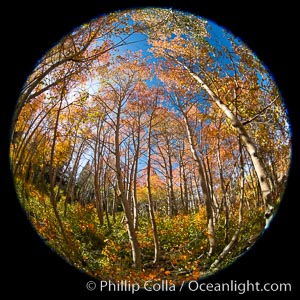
[{"x": 150, "y": 144}]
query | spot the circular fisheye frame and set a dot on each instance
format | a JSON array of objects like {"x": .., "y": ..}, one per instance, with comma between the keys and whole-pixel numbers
[{"x": 150, "y": 146}]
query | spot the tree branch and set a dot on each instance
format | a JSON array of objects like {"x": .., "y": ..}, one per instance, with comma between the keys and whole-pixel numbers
[{"x": 259, "y": 113}]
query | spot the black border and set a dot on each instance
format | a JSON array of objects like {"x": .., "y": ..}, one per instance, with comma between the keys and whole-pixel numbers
[{"x": 29, "y": 29}]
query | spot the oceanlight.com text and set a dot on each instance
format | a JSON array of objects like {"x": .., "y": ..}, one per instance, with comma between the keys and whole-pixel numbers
[{"x": 193, "y": 286}]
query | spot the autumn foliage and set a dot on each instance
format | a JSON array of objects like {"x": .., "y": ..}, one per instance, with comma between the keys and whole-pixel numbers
[{"x": 150, "y": 145}]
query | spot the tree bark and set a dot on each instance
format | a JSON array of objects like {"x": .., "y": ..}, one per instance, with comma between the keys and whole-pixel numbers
[
  {"x": 236, "y": 234},
  {"x": 150, "y": 201},
  {"x": 53, "y": 196},
  {"x": 204, "y": 187},
  {"x": 249, "y": 145},
  {"x": 135, "y": 248}
]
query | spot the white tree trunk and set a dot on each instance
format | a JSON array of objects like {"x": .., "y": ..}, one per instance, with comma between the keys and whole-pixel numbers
[{"x": 250, "y": 146}]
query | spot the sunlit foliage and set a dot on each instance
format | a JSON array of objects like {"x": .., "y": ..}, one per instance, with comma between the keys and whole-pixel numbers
[{"x": 150, "y": 144}]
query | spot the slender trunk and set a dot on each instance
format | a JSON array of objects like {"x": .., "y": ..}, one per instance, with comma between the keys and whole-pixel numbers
[
  {"x": 99, "y": 200},
  {"x": 150, "y": 201},
  {"x": 170, "y": 183},
  {"x": 72, "y": 179},
  {"x": 198, "y": 204},
  {"x": 106, "y": 197},
  {"x": 98, "y": 166},
  {"x": 128, "y": 178},
  {"x": 53, "y": 196},
  {"x": 224, "y": 195},
  {"x": 135, "y": 248},
  {"x": 129, "y": 188},
  {"x": 181, "y": 185},
  {"x": 167, "y": 184},
  {"x": 114, "y": 205},
  {"x": 249, "y": 145},
  {"x": 236, "y": 234},
  {"x": 185, "y": 202},
  {"x": 135, "y": 172},
  {"x": 185, "y": 198},
  {"x": 205, "y": 191},
  {"x": 215, "y": 204},
  {"x": 134, "y": 197},
  {"x": 233, "y": 239}
]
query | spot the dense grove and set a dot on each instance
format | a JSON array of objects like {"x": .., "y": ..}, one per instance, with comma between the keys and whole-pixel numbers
[
  {"x": 150, "y": 144},
  {"x": 104, "y": 252}
]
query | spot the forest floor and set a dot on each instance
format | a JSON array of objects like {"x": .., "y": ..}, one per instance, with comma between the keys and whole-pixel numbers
[{"x": 104, "y": 252}]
